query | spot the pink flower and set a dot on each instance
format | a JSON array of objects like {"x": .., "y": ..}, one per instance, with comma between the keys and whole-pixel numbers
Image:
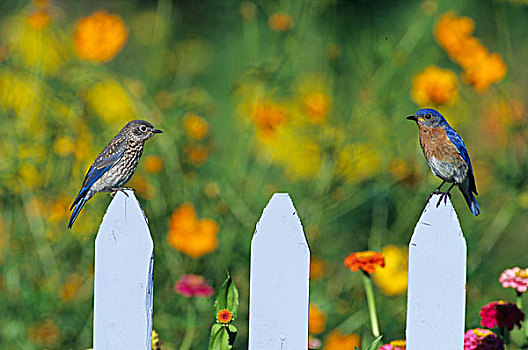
[
  {"x": 193, "y": 286},
  {"x": 501, "y": 314},
  {"x": 482, "y": 339},
  {"x": 516, "y": 278},
  {"x": 386, "y": 347},
  {"x": 488, "y": 315}
]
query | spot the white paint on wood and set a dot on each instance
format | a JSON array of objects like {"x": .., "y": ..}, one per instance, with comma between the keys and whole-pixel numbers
[
  {"x": 123, "y": 277},
  {"x": 436, "y": 294},
  {"x": 279, "y": 279}
]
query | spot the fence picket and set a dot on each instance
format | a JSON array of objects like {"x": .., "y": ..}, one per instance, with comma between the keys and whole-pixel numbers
[
  {"x": 279, "y": 279},
  {"x": 437, "y": 280},
  {"x": 123, "y": 277}
]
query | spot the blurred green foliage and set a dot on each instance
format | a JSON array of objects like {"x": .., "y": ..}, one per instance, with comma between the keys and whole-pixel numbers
[{"x": 306, "y": 97}]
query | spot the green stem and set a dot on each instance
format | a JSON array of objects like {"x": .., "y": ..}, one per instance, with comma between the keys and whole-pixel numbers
[
  {"x": 369, "y": 291},
  {"x": 189, "y": 331}
]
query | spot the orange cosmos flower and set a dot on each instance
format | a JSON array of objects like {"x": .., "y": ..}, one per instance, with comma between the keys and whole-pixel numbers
[
  {"x": 367, "y": 261},
  {"x": 280, "y": 22},
  {"x": 153, "y": 164},
  {"x": 39, "y": 19},
  {"x": 435, "y": 85},
  {"x": 196, "y": 127},
  {"x": 481, "y": 68},
  {"x": 338, "y": 340},
  {"x": 316, "y": 320},
  {"x": 190, "y": 235},
  {"x": 268, "y": 117},
  {"x": 197, "y": 155},
  {"x": 99, "y": 37},
  {"x": 224, "y": 316},
  {"x": 317, "y": 105}
]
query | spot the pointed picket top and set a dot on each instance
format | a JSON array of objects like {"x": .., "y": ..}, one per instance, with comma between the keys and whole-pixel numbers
[
  {"x": 437, "y": 280},
  {"x": 123, "y": 277},
  {"x": 279, "y": 279}
]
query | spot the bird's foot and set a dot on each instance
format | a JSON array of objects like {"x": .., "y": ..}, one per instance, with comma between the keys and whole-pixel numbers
[
  {"x": 122, "y": 189},
  {"x": 443, "y": 196},
  {"x": 437, "y": 191}
]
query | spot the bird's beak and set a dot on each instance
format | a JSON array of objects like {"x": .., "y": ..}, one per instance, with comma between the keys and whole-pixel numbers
[
  {"x": 156, "y": 131},
  {"x": 413, "y": 117}
]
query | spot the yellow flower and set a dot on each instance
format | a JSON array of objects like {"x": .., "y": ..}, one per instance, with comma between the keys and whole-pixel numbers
[
  {"x": 399, "y": 344},
  {"x": 63, "y": 146},
  {"x": 392, "y": 280},
  {"x": 19, "y": 94},
  {"x": 280, "y": 22},
  {"x": 99, "y": 37},
  {"x": 59, "y": 209},
  {"x": 109, "y": 100},
  {"x": 337, "y": 340},
  {"x": 196, "y": 127},
  {"x": 299, "y": 154},
  {"x": 31, "y": 43},
  {"x": 316, "y": 320},
  {"x": 190, "y": 235},
  {"x": 435, "y": 86},
  {"x": 357, "y": 162},
  {"x": 29, "y": 175},
  {"x": 153, "y": 164}
]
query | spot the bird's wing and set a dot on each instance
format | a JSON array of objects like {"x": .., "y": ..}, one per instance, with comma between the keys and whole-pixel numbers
[
  {"x": 461, "y": 147},
  {"x": 104, "y": 161}
]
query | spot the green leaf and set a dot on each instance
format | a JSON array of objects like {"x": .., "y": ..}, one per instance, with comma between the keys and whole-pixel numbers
[
  {"x": 375, "y": 343},
  {"x": 220, "y": 338},
  {"x": 227, "y": 297}
]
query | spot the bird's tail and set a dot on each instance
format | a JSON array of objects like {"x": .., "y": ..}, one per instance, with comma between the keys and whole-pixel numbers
[
  {"x": 470, "y": 199},
  {"x": 77, "y": 210}
]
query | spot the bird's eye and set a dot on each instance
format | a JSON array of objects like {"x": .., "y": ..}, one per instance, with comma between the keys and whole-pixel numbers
[
  {"x": 143, "y": 128},
  {"x": 428, "y": 116}
]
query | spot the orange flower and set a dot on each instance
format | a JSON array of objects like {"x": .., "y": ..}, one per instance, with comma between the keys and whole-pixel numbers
[
  {"x": 44, "y": 333},
  {"x": 197, "y": 155},
  {"x": 337, "y": 340},
  {"x": 224, "y": 316},
  {"x": 280, "y": 22},
  {"x": 153, "y": 164},
  {"x": 39, "y": 19},
  {"x": 435, "y": 85},
  {"x": 317, "y": 105},
  {"x": 316, "y": 320},
  {"x": 99, "y": 37},
  {"x": 267, "y": 116},
  {"x": 71, "y": 288},
  {"x": 366, "y": 261},
  {"x": 481, "y": 68},
  {"x": 317, "y": 268},
  {"x": 488, "y": 69},
  {"x": 190, "y": 235},
  {"x": 196, "y": 127}
]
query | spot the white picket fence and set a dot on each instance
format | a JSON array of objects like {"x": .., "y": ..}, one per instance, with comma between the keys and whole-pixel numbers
[{"x": 279, "y": 280}]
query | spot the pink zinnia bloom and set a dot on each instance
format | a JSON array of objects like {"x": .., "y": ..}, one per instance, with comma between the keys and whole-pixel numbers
[
  {"x": 386, "y": 347},
  {"x": 193, "y": 286},
  {"x": 482, "y": 339},
  {"x": 488, "y": 314},
  {"x": 515, "y": 278},
  {"x": 501, "y": 314}
]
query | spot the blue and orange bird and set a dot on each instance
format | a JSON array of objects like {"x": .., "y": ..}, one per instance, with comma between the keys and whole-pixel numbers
[
  {"x": 115, "y": 165},
  {"x": 447, "y": 156}
]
